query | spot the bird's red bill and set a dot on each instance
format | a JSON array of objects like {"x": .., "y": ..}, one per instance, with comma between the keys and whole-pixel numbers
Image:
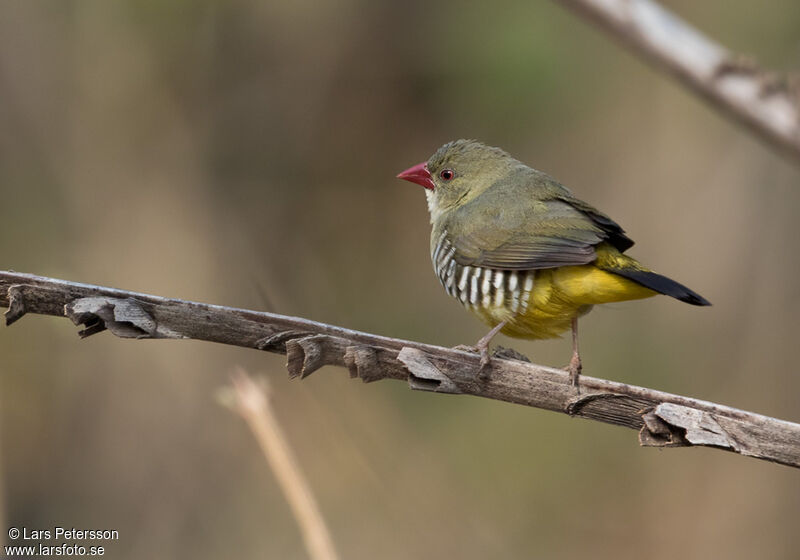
[{"x": 418, "y": 174}]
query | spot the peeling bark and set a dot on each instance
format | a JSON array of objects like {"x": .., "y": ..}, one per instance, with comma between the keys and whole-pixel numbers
[{"x": 662, "y": 419}]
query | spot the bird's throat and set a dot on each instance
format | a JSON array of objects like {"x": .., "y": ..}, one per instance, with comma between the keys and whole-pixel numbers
[{"x": 433, "y": 206}]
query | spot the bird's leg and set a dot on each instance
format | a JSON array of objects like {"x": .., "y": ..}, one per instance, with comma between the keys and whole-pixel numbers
[
  {"x": 482, "y": 346},
  {"x": 574, "y": 368}
]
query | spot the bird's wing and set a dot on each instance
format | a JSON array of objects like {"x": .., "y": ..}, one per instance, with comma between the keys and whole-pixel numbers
[
  {"x": 612, "y": 230},
  {"x": 510, "y": 234}
]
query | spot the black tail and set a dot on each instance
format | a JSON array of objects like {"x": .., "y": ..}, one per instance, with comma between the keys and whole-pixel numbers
[{"x": 662, "y": 285}]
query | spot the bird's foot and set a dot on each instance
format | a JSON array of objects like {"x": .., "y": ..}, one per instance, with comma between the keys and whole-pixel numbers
[
  {"x": 509, "y": 354},
  {"x": 574, "y": 370},
  {"x": 482, "y": 346},
  {"x": 482, "y": 349}
]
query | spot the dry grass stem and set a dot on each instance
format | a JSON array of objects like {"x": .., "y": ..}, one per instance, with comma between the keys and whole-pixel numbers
[{"x": 252, "y": 402}]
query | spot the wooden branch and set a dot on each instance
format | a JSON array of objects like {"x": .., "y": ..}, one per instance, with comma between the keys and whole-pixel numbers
[
  {"x": 765, "y": 102},
  {"x": 662, "y": 419}
]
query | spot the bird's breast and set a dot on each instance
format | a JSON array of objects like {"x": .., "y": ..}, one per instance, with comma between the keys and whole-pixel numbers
[
  {"x": 535, "y": 303},
  {"x": 500, "y": 293}
]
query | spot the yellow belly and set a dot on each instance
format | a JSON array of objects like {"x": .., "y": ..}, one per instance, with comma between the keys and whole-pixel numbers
[{"x": 558, "y": 296}]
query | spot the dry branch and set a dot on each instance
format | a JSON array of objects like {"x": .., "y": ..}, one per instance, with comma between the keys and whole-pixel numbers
[
  {"x": 764, "y": 101},
  {"x": 662, "y": 419}
]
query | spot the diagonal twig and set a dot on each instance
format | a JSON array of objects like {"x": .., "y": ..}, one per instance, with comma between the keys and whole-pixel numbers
[
  {"x": 252, "y": 402},
  {"x": 767, "y": 103}
]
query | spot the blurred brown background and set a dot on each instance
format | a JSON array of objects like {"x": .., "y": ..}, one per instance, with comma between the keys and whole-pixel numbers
[{"x": 244, "y": 152}]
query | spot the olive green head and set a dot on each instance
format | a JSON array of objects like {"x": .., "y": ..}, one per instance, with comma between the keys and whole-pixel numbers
[{"x": 458, "y": 172}]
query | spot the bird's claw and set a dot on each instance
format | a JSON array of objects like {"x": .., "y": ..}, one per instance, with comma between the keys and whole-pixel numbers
[
  {"x": 509, "y": 354},
  {"x": 485, "y": 358},
  {"x": 574, "y": 370},
  {"x": 483, "y": 350}
]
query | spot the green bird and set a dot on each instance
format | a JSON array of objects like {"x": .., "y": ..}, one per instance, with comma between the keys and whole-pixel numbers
[{"x": 519, "y": 251}]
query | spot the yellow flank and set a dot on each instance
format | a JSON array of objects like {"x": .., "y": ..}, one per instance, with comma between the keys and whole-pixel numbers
[{"x": 561, "y": 294}]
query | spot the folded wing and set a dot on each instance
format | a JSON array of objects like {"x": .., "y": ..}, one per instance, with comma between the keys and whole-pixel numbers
[{"x": 508, "y": 230}]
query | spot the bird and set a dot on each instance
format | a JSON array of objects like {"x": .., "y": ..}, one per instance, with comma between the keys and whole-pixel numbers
[{"x": 521, "y": 252}]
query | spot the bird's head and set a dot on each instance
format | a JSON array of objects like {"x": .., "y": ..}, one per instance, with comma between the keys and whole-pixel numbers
[{"x": 458, "y": 172}]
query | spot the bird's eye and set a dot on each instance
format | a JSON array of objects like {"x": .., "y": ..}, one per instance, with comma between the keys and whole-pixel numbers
[{"x": 446, "y": 174}]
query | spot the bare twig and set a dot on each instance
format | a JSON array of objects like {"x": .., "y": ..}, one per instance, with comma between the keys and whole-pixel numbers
[
  {"x": 765, "y": 102},
  {"x": 252, "y": 403},
  {"x": 662, "y": 419}
]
